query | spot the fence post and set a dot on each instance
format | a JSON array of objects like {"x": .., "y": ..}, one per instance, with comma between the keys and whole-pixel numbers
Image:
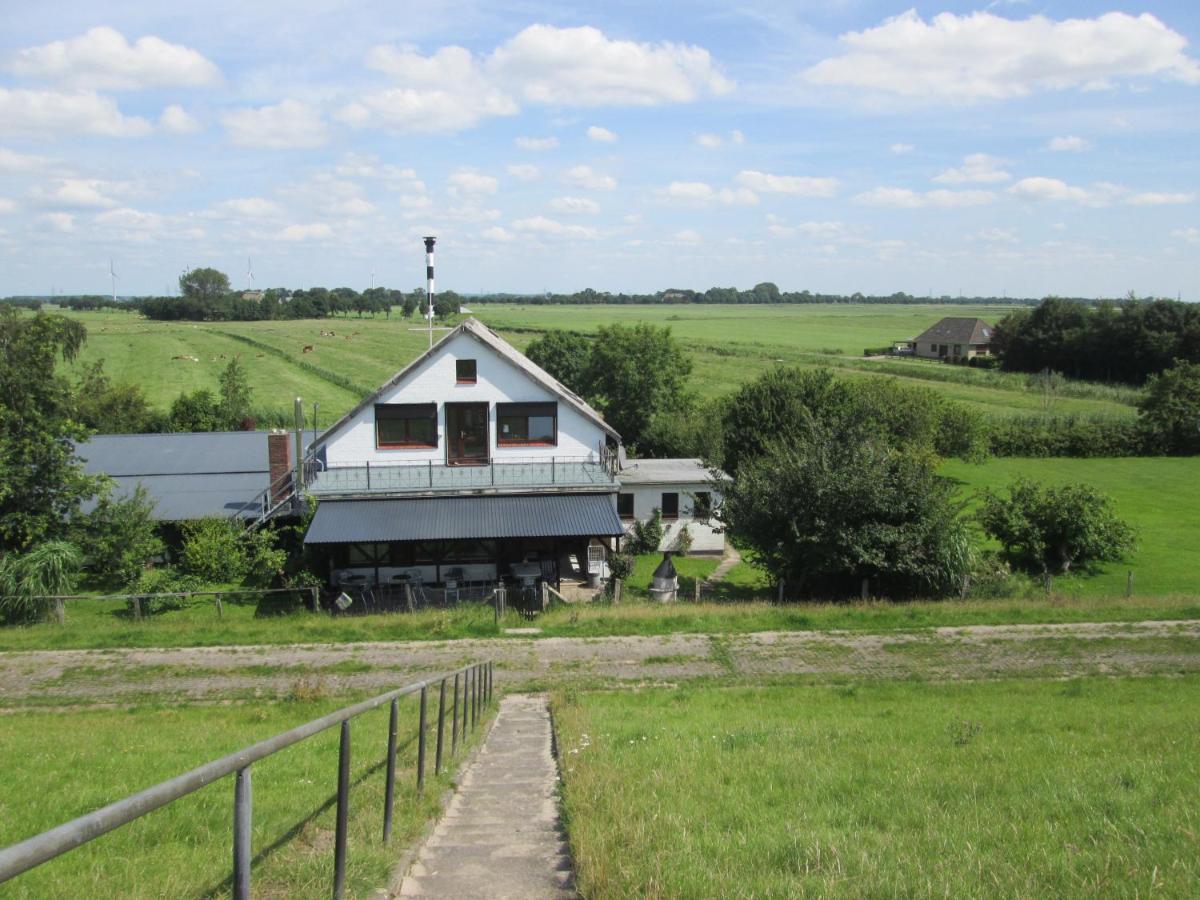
[
  {"x": 220, "y": 611},
  {"x": 616, "y": 592},
  {"x": 491, "y": 678},
  {"x": 137, "y": 608},
  {"x": 60, "y": 611},
  {"x": 421, "y": 745},
  {"x": 696, "y": 591},
  {"x": 389, "y": 793},
  {"x": 779, "y": 599},
  {"x": 437, "y": 759},
  {"x": 315, "y": 601},
  {"x": 343, "y": 814},
  {"x": 475, "y": 695},
  {"x": 866, "y": 585},
  {"x": 454, "y": 719},
  {"x": 242, "y": 810}
]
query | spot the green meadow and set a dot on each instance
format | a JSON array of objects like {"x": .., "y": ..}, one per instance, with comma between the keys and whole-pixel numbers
[
  {"x": 1037, "y": 788},
  {"x": 64, "y": 763},
  {"x": 348, "y": 357}
]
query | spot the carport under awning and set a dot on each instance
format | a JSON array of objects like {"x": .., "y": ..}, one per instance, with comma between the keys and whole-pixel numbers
[{"x": 464, "y": 518}]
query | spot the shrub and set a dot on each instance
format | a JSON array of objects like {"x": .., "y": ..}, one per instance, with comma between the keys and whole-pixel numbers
[
  {"x": 164, "y": 580},
  {"x": 1069, "y": 436},
  {"x": 1054, "y": 529},
  {"x": 120, "y": 536},
  {"x": 647, "y": 535},
  {"x": 26, "y": 579},
  {"x": 1169, "y": 415},
  {"x": 215, "y": 550}
]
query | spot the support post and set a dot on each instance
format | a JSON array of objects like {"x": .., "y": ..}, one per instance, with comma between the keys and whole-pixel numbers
[
  {"x": 343, "y": 814},
  {"x": 389, "y": 793},
  {"x": 242, "y": 810},
  {"x": 421, "y": 744},
  {"x": 616, "y": 592},
  {"x": 866, "y": 585},
  {"x": 137, "y": 608},
  {"x": 779, "y": 598},
  {"x": 475, "y": 698},
  {"x": 220, "y": 611},
  {"x": 437, "y": 757},
  {"x": 454, "y": 720},
  {"x": 60, "y": 611}
]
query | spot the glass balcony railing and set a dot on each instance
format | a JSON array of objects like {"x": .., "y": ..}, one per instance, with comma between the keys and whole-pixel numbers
[{"x": 392, "y": 478}]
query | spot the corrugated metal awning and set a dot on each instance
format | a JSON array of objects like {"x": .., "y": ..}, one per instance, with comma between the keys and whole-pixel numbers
[{"x": 464, "y": 518}]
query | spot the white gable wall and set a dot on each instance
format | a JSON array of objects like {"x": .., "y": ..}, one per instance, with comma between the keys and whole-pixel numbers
[{"x": 497, "y": 381}]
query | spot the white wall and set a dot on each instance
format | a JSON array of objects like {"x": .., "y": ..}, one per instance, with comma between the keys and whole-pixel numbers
[
  {"x": 648, "y": 497},
  {"x": 497, "y": 381}
]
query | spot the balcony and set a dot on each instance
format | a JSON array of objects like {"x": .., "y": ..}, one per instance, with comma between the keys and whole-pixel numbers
[{"x": 542, "y": 473}]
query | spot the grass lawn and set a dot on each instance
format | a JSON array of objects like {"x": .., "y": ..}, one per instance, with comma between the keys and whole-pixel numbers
[
  {"x": 1034, "y": 788},
  {"x": 730, "y": 345},
  {"x": 1159, "y": 496},
  {"x": 59, "y": 765}
]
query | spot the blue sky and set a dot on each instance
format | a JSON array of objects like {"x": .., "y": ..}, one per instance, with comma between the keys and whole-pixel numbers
[{"x": 1019, "y": 147}]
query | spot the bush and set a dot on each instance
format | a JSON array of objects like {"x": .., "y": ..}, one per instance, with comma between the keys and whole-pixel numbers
[
  {"x": 51, "y": 568},
  {"x": 1054, "y": 529},
  {"x": 646, "y": 536},
  {"x": 165, "y": 580},
  {"x": 120, "y": 536},
  {"x": 1069, "y": 436},
  {"x": 620, "y": 566},
  {"x": 215, "y": 550},
  {"x": 1169, "y": 415}
]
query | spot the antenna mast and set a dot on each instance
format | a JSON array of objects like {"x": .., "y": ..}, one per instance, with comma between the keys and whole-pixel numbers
[
  {"x": 429, "y": 242},
  {"x": 113, "y": 274}
]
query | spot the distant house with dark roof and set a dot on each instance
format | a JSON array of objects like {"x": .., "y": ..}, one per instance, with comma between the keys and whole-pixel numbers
[{"x": 954, "y": 338}]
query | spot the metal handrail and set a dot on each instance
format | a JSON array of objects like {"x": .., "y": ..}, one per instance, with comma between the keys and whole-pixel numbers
[{"x": 476, "y": 696}]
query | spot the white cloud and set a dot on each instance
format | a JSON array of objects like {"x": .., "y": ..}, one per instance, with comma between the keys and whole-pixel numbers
[
  {"x": 1155, "y": 198},
  {"x": 524, "y": 172},
  {"x": 131, "y": 224},
  {"x": 176, "y": 120},
  {"x": 50, "y": 113},
  {"x": 589, "y": 179},
  {"x": 309, "y": 232},
  {"x": 1191, "y": 235},
  {"x": 583, "y": 67},
  {"x": 738, "y": 196},
  {"x": 601, "y": 135},
  {"x": 976, "y": 168},
  {"x": 900, "y": 149},
  {"x": 822, "y": 229},
  {"x": 453, "y": 89},
  {"x": 903, "y": 198},
  {"x": 11, "y": 161},
  {"x": 496, "y": 233},
  {"x": 288, "y": 124},
  {"x": 575, "y": 206},
  {"x": 797, "y": 185},
  {"x": 709, "y": 140},
  {"x": 687, "y": 192},
  {"x": 536, "y": 144},
  {"x": 736, "y": 137},
  {"x": 997, "y": 236},
  {"x": 1040, "y": 188},
  {"x": 1068, "y": 144},
  {"x": 101, "y": 59},
  {"x": 7, "y": 206},
  {"x": 248, "y": 208},
  {"x": 552, "y": 228},
  {"x": 76, "y": 193},
  {"x": 688, "y": 236},
  {"x": 983, "y": 56},
  {"x": 59, "y": 221},
  {"x": 465, "y": 181}
]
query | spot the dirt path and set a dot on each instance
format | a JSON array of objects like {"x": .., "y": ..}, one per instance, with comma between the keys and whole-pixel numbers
[
  {"x": 62, "y": 677},
  {"x": 729, "y": 559}
]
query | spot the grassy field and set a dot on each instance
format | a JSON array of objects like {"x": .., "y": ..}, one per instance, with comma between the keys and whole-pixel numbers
[
  {"x": 63, "y": 764},
  {"x": 730, "y": 345},
  {"x": 1027, "y": 789},
  {"x": 1159, "y": 496}
]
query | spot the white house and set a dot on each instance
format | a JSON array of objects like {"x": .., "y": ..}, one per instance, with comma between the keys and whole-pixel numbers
[{"x": 681, "y": 490}]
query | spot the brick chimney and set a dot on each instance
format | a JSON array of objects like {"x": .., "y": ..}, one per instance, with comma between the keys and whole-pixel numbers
[{"x": 279, "y": 463}]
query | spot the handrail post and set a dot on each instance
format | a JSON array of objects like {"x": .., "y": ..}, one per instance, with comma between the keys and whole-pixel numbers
[
  {"x": 437, "y": 764},
  {"x": 454, "y": 719},
  {"x": 343, "y": 814},
  {"x": 491, "y": 679},
  {"x": 421, "y": 744},
  {"x": 389, "y": 795},
  {"x": 242, "y": 811}
]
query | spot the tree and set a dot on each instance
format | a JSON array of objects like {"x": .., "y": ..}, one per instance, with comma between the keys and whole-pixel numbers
[
  {"x": 822, "y": 514},
  {"x": 205, "y": 286},
  {"x": 633, "y": 373},
  {"x": 111, "y": 408},
  {"x": 197, "y": 411},
  {"x": 1169, "y": 413},
  {"x": 120, "y": 536},
  {"x": 214, "y": 549},
  {"x": 234, "y": 408},
  {"x": 1055, "y": 529},
  {"x": 565, "y": 355},
  {"x": 42, "y": 481}
]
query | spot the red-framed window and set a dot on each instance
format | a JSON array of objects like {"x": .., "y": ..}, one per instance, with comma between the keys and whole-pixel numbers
[
  {"x": 405, "y": 426},
  {"x": 464, "y": 371},
  {"x": 527, "y": 424}
]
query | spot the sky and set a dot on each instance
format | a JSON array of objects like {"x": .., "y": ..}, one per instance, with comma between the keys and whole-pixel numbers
[{"x": 977, "y": 148}]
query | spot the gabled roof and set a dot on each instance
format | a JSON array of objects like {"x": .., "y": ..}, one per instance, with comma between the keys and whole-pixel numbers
[
  {"x": 958, "y": 330},
  {"x": 480, "y": 332}
]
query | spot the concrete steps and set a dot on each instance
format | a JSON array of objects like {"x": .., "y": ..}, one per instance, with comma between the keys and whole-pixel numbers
[{"x": 501, "y": 836}]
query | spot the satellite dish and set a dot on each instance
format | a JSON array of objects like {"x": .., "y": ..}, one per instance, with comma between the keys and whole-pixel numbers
[{"x": 343, "y": 601}]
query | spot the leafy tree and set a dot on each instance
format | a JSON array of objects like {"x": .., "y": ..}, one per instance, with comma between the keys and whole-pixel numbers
[
  {"x": 633, "y": 373},
  {"x": 646, "y": 535},
  {"x": 42, "y": 481},
  {"x": 1169, "y": 414},
  {"x": 197, "y": 411},
  {"x": 205, "y": 286},
  {"x": 215, "y": 549},
  {"x": 120, "y": 536},
  {"x": 1055, "y": 529},
  {"x": 111, "y": 408},
  {"x": 823, "y": 513},
  {"x": 234, "y": 407},
  {"x": 565, "y": 355},
  {"x": 50, "y": 568}
]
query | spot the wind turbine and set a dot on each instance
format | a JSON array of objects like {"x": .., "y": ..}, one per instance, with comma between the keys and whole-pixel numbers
[
  {"x": 113, "y": 275},
  {"x": 249, "y": 275}
]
